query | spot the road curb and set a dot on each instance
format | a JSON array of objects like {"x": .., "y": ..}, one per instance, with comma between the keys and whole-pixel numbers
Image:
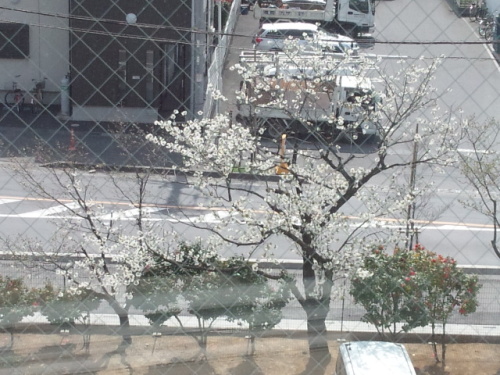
[
  {"x": 167, "y": 171},
  {"x": 139, "y": 324}
]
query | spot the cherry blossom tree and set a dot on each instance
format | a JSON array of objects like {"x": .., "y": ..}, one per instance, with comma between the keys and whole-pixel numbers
[
  {"x": 90, "y": 249},
  {"x": 325, "y": 200},
  {"x": 481, "y": 168}
]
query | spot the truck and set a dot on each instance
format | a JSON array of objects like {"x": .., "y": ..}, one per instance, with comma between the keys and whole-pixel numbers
[
  {"x": 355, "y": 18},
  {"x": 294, "y": 98}
]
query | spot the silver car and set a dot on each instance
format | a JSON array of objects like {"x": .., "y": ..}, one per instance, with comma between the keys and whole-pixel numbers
[{"x": 274, "y": 36}]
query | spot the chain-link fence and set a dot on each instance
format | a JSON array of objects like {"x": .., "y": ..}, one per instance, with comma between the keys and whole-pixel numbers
[{"x": 205, "y": 187}]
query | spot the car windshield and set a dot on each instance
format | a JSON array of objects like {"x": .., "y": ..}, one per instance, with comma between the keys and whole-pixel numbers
[
  {"x": 349, "y": 46},
  {"x": 362, "y": 6}
]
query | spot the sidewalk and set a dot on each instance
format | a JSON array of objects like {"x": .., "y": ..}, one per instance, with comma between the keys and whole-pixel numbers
[{"x": 49, "y": 139}]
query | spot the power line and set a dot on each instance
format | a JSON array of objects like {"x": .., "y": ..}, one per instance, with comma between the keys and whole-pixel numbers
[
  {"x": 196, "y": 31},
  {"x": 205, "y": 45}
]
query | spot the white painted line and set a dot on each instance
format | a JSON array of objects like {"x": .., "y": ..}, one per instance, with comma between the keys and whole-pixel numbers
[
  {"x": 421, "y": 227},
  {"x": 128, "y": 214},
  {"x": 5, "y": 201},
  {"x": 214, "y": 217},
  {"x": 48, "y": 211},
  {"x": 466, "y": 151}
]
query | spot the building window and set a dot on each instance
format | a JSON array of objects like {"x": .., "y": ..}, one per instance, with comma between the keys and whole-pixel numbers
[{"x": 14, "y": 41}]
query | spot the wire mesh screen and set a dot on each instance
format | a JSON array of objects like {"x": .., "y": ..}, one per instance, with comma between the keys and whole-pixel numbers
[{"x": 249, "y": 187}]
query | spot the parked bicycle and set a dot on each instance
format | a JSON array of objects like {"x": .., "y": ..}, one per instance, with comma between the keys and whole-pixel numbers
[
  {"x": 486, "y": 27},
  {"x": 17, "y": 99},
  {"x": 14, "y": 98}
]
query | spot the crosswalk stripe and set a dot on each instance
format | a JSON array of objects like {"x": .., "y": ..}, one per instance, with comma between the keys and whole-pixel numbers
[{"x": 49, "y": 211}]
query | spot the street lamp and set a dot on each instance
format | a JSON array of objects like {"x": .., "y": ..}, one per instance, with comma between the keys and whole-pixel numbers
[{"x": 131, "y": 18}]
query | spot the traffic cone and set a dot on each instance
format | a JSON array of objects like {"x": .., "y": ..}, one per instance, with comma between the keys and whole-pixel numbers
[{"x": 72, "y": 141}]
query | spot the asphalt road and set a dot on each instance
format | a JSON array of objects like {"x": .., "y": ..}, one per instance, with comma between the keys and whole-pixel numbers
[{"x": 445, "y": 226}]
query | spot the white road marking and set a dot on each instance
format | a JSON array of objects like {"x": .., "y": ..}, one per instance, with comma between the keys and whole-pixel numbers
[
  {"x": 466, "y": 151},
  {"x": 5, "y": 201},
  {"x": 47, "y": 212},
  {"x": 129, "y": 214},
  {"x": 214, "y": 217}
]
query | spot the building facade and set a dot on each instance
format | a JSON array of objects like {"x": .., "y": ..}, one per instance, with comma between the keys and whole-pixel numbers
[
  {"x": 34, "y": 42},
  {"x": 126, "y": 60}
]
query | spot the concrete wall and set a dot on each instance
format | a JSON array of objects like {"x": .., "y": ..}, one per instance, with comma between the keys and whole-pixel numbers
[{"x": 49, "y": 42}]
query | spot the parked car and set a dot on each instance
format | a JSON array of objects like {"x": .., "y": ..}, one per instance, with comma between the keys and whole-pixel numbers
[
  {"x": 373, "y": 358},
  {"x": 273, "y": 36}
]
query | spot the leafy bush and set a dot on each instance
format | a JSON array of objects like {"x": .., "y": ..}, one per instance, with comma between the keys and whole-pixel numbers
[
  {"x": 67, "y": 306},
  {"x": 414, "y": 288},
  {"x": 16, "y": 302}
]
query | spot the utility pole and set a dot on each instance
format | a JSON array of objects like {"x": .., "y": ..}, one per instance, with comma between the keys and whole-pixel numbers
[{"x": 411, "y": 231}]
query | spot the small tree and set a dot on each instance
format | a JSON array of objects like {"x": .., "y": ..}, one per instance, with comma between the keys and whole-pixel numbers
[
  {"x": 156, "y": 293},
  {"x": 254, "y": 299},
  {"x": 210, "y": 287},
  {"x": 16, "y": 302},
  {"x": 66, "y": 307},
  {"x": 446, "y": 289},
  {"x": 386, "y": 288},
  {"x": 414, "y": 288},
  {"x": 481, "y": 168}
]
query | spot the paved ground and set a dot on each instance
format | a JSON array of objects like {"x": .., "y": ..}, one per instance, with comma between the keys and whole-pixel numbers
[{"x": 226, "y": 354}]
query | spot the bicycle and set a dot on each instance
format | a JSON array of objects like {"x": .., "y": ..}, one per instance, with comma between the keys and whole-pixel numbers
[
  {"x": 486, "y": 26},
  {"x": 14, "y": 98}
]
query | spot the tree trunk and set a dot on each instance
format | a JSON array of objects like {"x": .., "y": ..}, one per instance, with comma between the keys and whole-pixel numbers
[
  {"x": 122, "y": 313},
  {"x": 316, "y": 310},
  {"x": 443, "y": 345},
  {"x": 316, "y": 306},
  {"x": 125, "y": 328}
]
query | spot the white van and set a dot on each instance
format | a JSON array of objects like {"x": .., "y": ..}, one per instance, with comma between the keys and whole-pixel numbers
[{"x": 373, "y": 358}]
